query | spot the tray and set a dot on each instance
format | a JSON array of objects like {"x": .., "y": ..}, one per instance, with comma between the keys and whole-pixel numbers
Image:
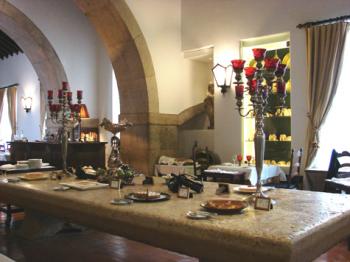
[
  {"x": 224, "y": 206},
  {"x": 84, "y": 184},
  {"x": 162, "y": 197},
  {"x": 34, "y": 176}
]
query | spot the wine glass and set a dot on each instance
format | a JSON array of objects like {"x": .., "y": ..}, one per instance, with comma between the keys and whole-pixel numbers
[
  {"x": 249, "y": 158},
  {"x": 239, "y": 159}
]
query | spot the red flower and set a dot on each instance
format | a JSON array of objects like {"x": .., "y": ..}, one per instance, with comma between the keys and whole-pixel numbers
[
  {"x": 271, "y": 63},
  {"x": 249, "y": 71},
  {"x": 238, "y": 64},
  {"x": 259, "y": 53}
]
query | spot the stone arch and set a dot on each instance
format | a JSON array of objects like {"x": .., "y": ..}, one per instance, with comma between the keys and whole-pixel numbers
[
  {"x": 133, "y": 67},
  {"x": 34, "y": 44}
]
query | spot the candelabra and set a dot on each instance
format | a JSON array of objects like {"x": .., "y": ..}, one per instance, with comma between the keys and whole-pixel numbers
[
  {"x": 268, "y": 71},
  {"x": 66, "y": 114}
]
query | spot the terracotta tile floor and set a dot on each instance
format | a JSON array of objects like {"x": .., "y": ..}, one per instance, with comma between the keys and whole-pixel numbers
[{"x": 90, "y": 245}]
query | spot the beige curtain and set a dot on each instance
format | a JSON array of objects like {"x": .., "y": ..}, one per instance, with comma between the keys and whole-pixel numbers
[
  {"x": 12, "y": 104},
  {"x": 325, "y": 46},
  {"x": 2, "y": 93}
]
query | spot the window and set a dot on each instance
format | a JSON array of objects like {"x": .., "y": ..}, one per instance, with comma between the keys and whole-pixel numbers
[
  {"x": 334, "y": 134},
  {"x": 5, "y": 126}
]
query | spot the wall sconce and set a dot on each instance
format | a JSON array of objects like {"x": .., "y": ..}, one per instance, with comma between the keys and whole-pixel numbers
[
  {"x": 27, "y": 103},
  {"x": 84, "y": 113},
  {"x": 223, "y": 76}
]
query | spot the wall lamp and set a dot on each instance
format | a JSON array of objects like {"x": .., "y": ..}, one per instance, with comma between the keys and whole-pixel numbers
[
  {"x": 223, "y": 76},
  {"x": 27, "y": 103}
]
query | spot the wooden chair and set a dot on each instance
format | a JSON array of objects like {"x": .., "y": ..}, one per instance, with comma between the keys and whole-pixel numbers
[
  {"x": 339, "y": 167},
  {"x": 202, "y": 159},
  {"x": 294, "y": 179}
]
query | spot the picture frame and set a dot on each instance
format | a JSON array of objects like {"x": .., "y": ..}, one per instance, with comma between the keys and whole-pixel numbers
[
  {"x": 184, "y": 192},
  {"x": 223, "y": 188},
  {"x": 263, "y": 203},
  {"x": 115, "y": 184}
]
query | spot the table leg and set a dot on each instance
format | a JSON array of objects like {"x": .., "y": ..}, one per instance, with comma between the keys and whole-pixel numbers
[{"x": 37, "y": 225}]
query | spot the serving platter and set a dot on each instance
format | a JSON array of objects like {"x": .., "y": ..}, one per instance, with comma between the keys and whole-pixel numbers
[
  {"x": 249, "y": 189},
  {"x": 224, "y": 206},
  {"x": 135, "y": 197}
]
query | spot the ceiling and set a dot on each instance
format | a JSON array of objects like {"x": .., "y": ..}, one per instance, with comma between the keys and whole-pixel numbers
[{"x": 7, "y": 46}]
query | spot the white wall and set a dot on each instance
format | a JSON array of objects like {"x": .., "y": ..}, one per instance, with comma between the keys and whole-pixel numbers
[
  {"x": 223, "y": 23},
  {"x": 18, "y": 69},
  {"x": 160, "y": 23},
  {"x": 74, "y": 40}
]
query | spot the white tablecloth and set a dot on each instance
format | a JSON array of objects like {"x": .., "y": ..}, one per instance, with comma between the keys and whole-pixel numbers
[
  {"x": 173, "y": 169},
  {"x": 269, "y": 171}
]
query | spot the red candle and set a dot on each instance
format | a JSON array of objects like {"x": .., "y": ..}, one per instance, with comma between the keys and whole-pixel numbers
[
  {"x": 80, "y": 94},
  {"x": 65, "y": 85},
  {"x": 259, "y": 53},
  {"x": 239, "y": 91},
  {"x": 252, "y": 86},
  {"x": 249, "y": 71},
  {"x": 281, "y": 88},
  {"x": 281, "y": 68},
  {"x": 60, "y": 93},
  {"x": 271, "y": 63},
  {"x": 69, "y": 96},
  {"x": 238, "y": 64},
  {"x": 49, "y": 94}
]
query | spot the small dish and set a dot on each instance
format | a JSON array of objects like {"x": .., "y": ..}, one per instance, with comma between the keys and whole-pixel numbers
[
  {"x": 249, "y": 189},
  {"x": 121, "y": 202},
  {"x": 199, "y": 215},
  {"x": 136, "y": 197},
  {"x": 61, "y": 188}
]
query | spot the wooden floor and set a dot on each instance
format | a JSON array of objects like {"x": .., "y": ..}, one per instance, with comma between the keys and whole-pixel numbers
[{"x": 91, "y": 245}]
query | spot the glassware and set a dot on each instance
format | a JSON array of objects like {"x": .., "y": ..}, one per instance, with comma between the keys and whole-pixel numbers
[{"x": 249, "y": 158}]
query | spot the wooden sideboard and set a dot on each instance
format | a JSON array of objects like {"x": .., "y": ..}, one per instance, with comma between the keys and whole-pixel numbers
[{"x": 79, "y": 154}]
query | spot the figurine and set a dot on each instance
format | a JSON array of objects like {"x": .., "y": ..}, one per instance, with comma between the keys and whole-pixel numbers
[{"x": 114, "y": 160}]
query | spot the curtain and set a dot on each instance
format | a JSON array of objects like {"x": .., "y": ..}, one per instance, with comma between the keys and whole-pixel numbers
[
  {"x": 325, "y": 46},
  {"x": 2, "y": 93},
  {"x": 12, "y": 105}
]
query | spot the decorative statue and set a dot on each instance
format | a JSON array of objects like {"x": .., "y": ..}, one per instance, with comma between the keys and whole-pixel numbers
[
  {"x": 209, "y": 105},
  {"x": 114, "y": 160}
]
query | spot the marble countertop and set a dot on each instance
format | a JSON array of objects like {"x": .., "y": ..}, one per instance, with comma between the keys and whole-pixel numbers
[{"x": 301, "y": 226}]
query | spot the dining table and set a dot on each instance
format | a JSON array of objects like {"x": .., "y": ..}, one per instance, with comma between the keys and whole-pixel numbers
[
  {"x": 301, "y": 226},
  {"x": 268, "y": 172}
]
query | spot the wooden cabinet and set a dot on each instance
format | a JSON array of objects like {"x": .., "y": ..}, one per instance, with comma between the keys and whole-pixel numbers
[{"x": 79, "y": 154}]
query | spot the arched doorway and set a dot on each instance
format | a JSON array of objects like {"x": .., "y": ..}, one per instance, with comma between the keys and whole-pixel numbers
[
  {"x": 133, "y": 67},
  {"x": 34, "y": 44}
]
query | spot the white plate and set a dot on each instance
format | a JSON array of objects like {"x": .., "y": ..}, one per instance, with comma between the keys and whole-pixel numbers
[
  {"x": 199, "y": 215},
  {"x": 249, "y": 189},
  {"x": 121, "y": 202}
]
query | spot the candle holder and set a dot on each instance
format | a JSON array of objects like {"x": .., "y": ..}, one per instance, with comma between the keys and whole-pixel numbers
[
  {"x": 268, "y": 71},
  {"x": 66, "y": 114},
  {"x": 259, "y": 86}
]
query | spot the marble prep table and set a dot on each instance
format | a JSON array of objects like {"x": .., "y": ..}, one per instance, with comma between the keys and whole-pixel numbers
[{"x": 301, "y": 226}]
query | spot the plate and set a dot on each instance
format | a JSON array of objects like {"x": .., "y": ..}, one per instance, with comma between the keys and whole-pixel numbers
[
  {"x": 34, "y": 176},
  {"x": 199, "y": 215},
  {"x": 121, "y": 202},
  {"x": 249, "y": 189},
  {"x": 224, "y": 206},
  {"x": 162, "y": 197},
  {"x": 84, "y": 184},
  {"x": 61, "y": 188}
]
